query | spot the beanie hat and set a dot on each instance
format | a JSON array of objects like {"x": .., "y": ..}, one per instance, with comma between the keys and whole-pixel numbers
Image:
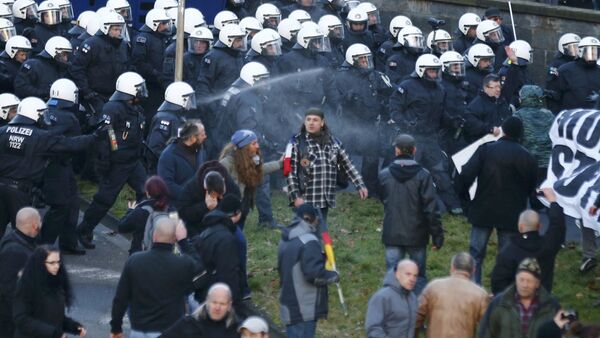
[
  {"x": 306, "y": 209},
  {"x": 315, "y": 111},
  {"x": 513, "y": 127},
  {"x": 532, "y": 266},
  {"x": 243, "y": 137},
  {"x": 230, "y": 205},
  {"x": 492, "y": 12}
]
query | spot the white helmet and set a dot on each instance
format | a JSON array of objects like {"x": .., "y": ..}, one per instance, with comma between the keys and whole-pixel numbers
[
  {"x": 568, "y": 44},
  {"x": 332, "y": 25},
  {"x": 411, "y": 37},
  {"x": 288, "y": 29},
  {"x": 439, "y": 41},
  {"x": 122, "y": 7},
  {"x": 57, "y": 45},
  {"x": 169, "y": 5},
  {"x": 311, "y": 24},
  {"x": 453, "y": 64},
  {"x": 479, "y": 51},
  {"x": 193, "y": 19},
  {"x": 7, "y": 30},
  {"x": 311, "y": 38},
  {"x": 25, "y": 9},
  {"x": 110, "y": 19},
  {"x": 49, "y": 13},
  {"x": 224, "y": 18},
  {"x": 84, "y": 18},
  {"x": 6, "y": 12},
  {"x": 65, "y": 8},
  {"x": 266, "y": 42},
  {"x": 425, "y": 62},
  {"x": 358, "y": 16},
  {"x": 588, "y": 49},
  {"x": 523, "y": 52},
  {"x": 155, "y": 17},
  {"x": 359, "y": 56},
  {"x": 251, "y": 25},
  {"x": 372, "y": 12},
  {"x": 489, "y": 31},
  {"x": 201, "y": 34},
  {"x": 300, "y": 15},
  {"x": 64, "y": 89},
  {"x": 231, "y": 33},
  {"x": 351, "y": 4},
  {"x": 93, "y": 25},
  {"x": 180, "y": 94},
  {"x": 254, "y": 72},
  {"x": 269, "y": 15},
  {"x": 32, "y": 108},
  {"x": 15, "y": 44},
  {"x": 467, "y": 21},
  {"x": 397, "y": 23},
  {"x": 8, "y": 102},
  {"x": 129, "y": 86}
]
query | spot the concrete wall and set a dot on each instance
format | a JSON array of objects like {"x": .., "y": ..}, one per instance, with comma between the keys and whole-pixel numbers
[{"x": 540, "y": 25}]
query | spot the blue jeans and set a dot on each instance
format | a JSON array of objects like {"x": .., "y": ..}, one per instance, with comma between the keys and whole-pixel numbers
[
  {"x": 393, "y": 254},
  {"x": 263, "y": 201},
  {"x": 140, "y": 334},
  {"x": 478, "y": 246},
  {"x": 302, "y": 330},
  {"x": 243, "y": 255}
]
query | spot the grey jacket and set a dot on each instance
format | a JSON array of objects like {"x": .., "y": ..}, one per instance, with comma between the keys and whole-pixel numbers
[{"x": 392, "y": 311}]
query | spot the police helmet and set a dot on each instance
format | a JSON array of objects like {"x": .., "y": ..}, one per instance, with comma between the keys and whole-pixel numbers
[
  {"x": 7, "y": 30},
  {"x": 397, "y": 23},
  {"x": 130, "y": 85},
  {"x": 568, "y": 44},
  {"x": 31, "y": 108},
  {"x": 93, "y": 25},
  {"x": 6, "y": 12},
  {"x": 200, "y": 35},
  {"x": 453, "y": 64},
  {"x": 224, "y": 18},
  {"x": 234, "y": 37},
  {"x": 64, "y": 89},
  {"x": 112, "y": 19},
  {"x": 359, "y": 56},
  {"x": 179, "y": 95},
  {"x": 25, "y": 9},
  {"x": 266, "y": 42},
  {"x": 372, "y": 12},
  {"x": 15, "y": 44},
  {"x": 169, "y": 5},
  {"x": 439, "y": 41},
  {"x": 251, "y": 25},
  {"x": 523, "y": 52},
  {"x": 288, "y": 28},
  {"x": 313, "y": 39},
  {"x": 193, "y": 19},
  {"x": 155, "y": 17},
  {"x": 489, "y": 31},
  {"x": 56, "y": 47},
  {"x": 332, "y": 25},
  {"x": 269, "y": 15},
  {"x": 479, "y": 51},
  {"x": 253, "y": 72},
  {"x": 468, "y": 21},
  {"x": 65, "y": 8},
  {"x": 428, "y": 62},
  {"x": 122, "y": 7},
  {"x": 411, "y": 38},
  {"x": 357, "y": 16},
  {"x": 8, "y": 102},
  {"x": 49, "y": 13},
  {"x": 588, "y": 49},
  {"x": 300, "y": 15}
]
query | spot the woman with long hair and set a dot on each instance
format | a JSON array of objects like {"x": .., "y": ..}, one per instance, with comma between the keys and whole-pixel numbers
[
  {"x": 42, "y": 294},
  {"x": 156, "y": 202}
]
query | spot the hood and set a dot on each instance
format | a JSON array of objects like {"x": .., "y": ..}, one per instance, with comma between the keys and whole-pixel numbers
[
  {"x": 531, "y": 96},
  {"x": 217, "y": 217},
  {"x": 530, "y": 241},
  {"x": 392, "y": 282},
  {"x": 297, "y": 228},
  {"x": 404, "y": 168}
]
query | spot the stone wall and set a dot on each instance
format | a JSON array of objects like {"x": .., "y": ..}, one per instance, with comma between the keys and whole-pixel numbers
[{"x": 540, "y": 25}]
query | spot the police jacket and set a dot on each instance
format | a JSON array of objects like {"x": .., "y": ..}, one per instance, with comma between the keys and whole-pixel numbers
[
  {"x": 400, "y": 65},
  {"x": 407, "y": 184},
  {"x": 302, "y": 274},
  {"x": 192, "y": 64},
  {"x": 127, "y": 122},
  {"x": 78, "y": 40},
  {"x": 335, "y": 58},
  {"x": 8, "y": 71},
  {"x": 379, "y": 35},
  {"x": 43, "y": 33},
  {"x": 351, "y": 37},
  {"x": 328, "y": 9},
  {"x": 147, "y": 54},
  {"x": 513, "y": 77},
  {"x": 22, "y": 24},
  {"x": 268, "y": 61},
  {"x": 456, "y": 95},
  {"x": 552, "y": 80},
  {"x": 417, "y": 106},
  {"x": 462, "y": 43},
  {"x": 24, "y": 148},
  {"x": 384, "y": 51},
  {"x": 165, "y": 126},
  {"x": 577, "y": 80},
  {"x": 474, "y": 77},
  {"x": 36, "y": 75},
  {"x": 483, "y": 114},
  {"x": 221, "y": 66},
  {"x": 97, "y": 64},
  {"x": 178, "y": 164}
]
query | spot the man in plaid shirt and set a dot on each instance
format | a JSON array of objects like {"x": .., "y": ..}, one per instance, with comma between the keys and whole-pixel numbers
[{"x": 313, "y": 158}]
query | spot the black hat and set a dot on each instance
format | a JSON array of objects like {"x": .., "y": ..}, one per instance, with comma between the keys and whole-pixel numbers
[
  {"x": 314, "y": 111},
  {"x": 513, "y": 127},
  {"x": 306, "y": 209},
  {"x": 404, "y": 141},
  {"x": 230, "y": 205},
  {"x": 492, "y": 12}
]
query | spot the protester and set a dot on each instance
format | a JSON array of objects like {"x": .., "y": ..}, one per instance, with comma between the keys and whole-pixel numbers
[{"x": 254, "y": 327}]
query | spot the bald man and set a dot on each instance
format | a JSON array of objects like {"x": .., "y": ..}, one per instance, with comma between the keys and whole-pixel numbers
[
  {"x": 530, "y": 243},
  {"x": 15, "y": 249},
  {"x": 154, "y": 284},
  {"x": 392, "y": 310}
]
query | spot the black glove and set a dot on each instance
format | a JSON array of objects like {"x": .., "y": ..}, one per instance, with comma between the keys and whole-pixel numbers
[
  {"x": 100, "y": 132},
  {"x": 327, "y": 277}
]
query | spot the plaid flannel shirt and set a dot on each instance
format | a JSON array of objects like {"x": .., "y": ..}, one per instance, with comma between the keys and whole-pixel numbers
[
  {"x": 525, "y": 314},
  {"x": 320, "y": 185}
]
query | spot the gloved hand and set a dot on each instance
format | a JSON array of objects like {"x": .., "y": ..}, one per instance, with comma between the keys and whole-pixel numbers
[
  {"x": 327, "y": 277},
  {"x": 100, "y": 132}
]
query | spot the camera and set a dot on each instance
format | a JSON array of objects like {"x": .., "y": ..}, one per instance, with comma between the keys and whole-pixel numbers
[{"x": 435, "y": 23}]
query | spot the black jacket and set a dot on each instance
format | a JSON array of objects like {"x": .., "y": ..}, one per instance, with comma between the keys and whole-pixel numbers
[
  {"x": 483, "y": 114},
  {"x": 8, "y": 70},
  {"x": 190, "y": 327},
  {"x": 153, "y": 286},
  {"x": 15, "y": 249},
  {"x": 43, "y": 33},
  {"x": 506, "y": 177},
  {"x": 177, "y": 165},
  {"x": 531, "y": 244},
  {"x": 552, "y": 80},
  {"x": 351, "y": 37},
  {"x": 134, "y": 222},
  {"x": 576, "y": 82},
  {"x": 513, "y": 78},
  {"x": 128, "y": 123},
  {"x": 164, "y": 126},
  {"x": 474, "y": 77},
  {"x": 147, "y": 54},
  {"x": 411, "y": 214},
  {"x": 400, "y": 64},
  {"x": 36, "y": 75}
]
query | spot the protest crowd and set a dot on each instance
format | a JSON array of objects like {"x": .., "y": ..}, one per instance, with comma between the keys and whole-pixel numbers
[{"x": 290, "y": 95}]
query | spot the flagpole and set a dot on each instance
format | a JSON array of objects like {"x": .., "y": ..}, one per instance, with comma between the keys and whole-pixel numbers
[{"x": 512, "y": 20}]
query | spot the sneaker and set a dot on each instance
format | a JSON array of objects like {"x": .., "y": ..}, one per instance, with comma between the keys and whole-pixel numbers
[{"x": 587, "y": 264}]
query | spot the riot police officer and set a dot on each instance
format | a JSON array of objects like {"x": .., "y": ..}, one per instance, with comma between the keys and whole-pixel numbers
[
  {"x": 99, "y": 61},
  {"x": 310, "y": 6},
  {"x": 386, "y": 49},
  {"x": 438, "y": 42},
  {"x": 36, "y": 75},
  {"x": 199, "y": 43},
  {"x": 402, "y": 64},
  {"x": 357, "y": 30},
  {"x": 79, "y": 27},
  {"x": 453, "y": 81},
  {"x": 481, "y": 60},
  {"x": 180, "y": 98},
  {"x": 514, "y": 72},
  {"x": 60, "y": 186},
  {"x": 265, "y": 49},
  {"x": 7, "y": 31},
  {"x": 417, "y": 108},
  {"x": 15, "y": 53},
  {"x": 24, "y": 148},
  {"x": 91, "y": 23},
  {"x": 287, "y": 30},
  {"x": 251, "y": 26},
  {"x": 333, "y": 27},
  {"x": 8, "y": 107},
  {"x": 374, "y": 23},
  {"x": 364, "y": 96},
  {"x": 25, "y": 13},
  {"x": 222, "y": 19},
  {"x": 123, "y": 8},
  {"x": 567, "y": 51},
  {"x": 119, "y": 154},
  {"x": 490, "y": 33},
  {"x": 49, "y": 24},
  {"x": 67, "y": 15},
  {"x": 269, "y": 15},
  {"x": 467, "y": 28}
]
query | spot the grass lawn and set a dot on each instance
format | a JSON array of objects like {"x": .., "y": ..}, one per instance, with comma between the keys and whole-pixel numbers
[{"x": 355, "y": 228}]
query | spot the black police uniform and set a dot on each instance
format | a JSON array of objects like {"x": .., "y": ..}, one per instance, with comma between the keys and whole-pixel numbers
[
  {"x": 474, "y": 77},
  {"x": 364, "y": 97},
  {"x": 483, "y": 114},
  {"x": 462, "y": 43},
  {"x": 76, "y": 41},
  {"x": 287, "y": 45},
  {"x": 552, "y": 80},
  {"x": 329, "y": 9},
  {"x": 95, "y": 67},
  {"x": 44, "y": 33},
  {"x": 385, "y": 50},
  {"x": 119, "y": 166},
  {"x": 168, "y": 66},
  {"x": 238, "y": 10},
  {"x": 336, "y": 57},
  {"x": 22, "y": 24},
  {"x": 269, "y": 61},
  {"x": 316, "y": 12},
  {"x": 24, "y": 148},
  {"x": 379, "y": 35},
  {"x": 8, "y": 71},
  {"x": 165, "y": 125},
  {"x": 351, "y": 37},
  {"x": 513, "y": 77},
  {"x": 499, "y": 52},
  {"x": 400, "y": 65},
  {"x": 456, "y": 102},
  {"x": 577, "y": 82},
  {"x": 36, "y": 75},
  {"x": 60, "y": 186},
  {"x": 417, "y": 107}
]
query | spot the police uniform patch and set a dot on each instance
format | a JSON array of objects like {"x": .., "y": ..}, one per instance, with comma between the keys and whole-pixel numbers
[
  {"x": 165, "y": 122},
  {"x": 140, "y": 39},
  {"x": 401, "y": 90},
  {"x": 207, "y": 60},
  {"x": 553, "y": 71},
  {"x": 85, "y": 48},
  {"x": 27, "y": 66},
  {"x": 392, "y": 64}
]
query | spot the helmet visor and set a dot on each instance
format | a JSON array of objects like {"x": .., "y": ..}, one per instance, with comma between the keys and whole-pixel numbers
[
  {"x": 443, "y": 46},
  {"x": 259, "y": 78},
  {"x": 319, "y": 44},
  {"x": 432, "y": 73},
  {"x": 31, "y": 12},
  {"x": 456, "y": 69},
  {"x": 229, "y": 22},
  {"x": 590, "y": 53},
  {"x": 125, "y": 13},
  {"x": 198, "y": 46},
  {"x": 141, "y": 91},
  {"x": 271, "y": 48},
  {"x": 414, "y": 41},
  {"x": 364, "y": 61},
  {"x": 374, "y": 18},
  {"x": 351, "y": 4},
  {"x": 336, "y": 32},
  {"x": 189, "y": 101},
  {"x": 165, "y": 27},
  {"x": 117, "y": 31},
  {"x": 571, "y": 49},
  {"x": 239, "y": 43},
  {"x": 272, "y": 21},
  {"x": 8, "y": 17},
  {"x": 51, "y": 18},
  {"x": 495, "y": 35},
  {"x": 67, "y": 12},
  {"x": 62, "y": 56},
  {"x": 4, "y": 111},
  {"x": 7, "y": 33},
  {"x": 486, "y": 62}
]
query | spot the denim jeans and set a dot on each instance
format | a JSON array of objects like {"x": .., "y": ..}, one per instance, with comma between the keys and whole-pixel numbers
[
  {"x": 263, "y": 201},
  {"x": 243, "y": 255},
  {"x": 302, "y": 330},
  {"x": 478, "y": 246},
  {"x": 393, "y": 254},
  {"x": 140, "y": 334}
]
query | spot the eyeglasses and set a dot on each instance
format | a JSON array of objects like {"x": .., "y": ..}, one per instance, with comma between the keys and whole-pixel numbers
[{"x": 53, "y": 262}]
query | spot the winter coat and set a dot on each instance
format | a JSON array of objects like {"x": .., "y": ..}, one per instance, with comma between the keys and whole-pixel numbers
[
  {"x": 190, "y": 327},
  {"x": 536, "y": 125},
  {"x": 177, "y": 165},
  {"x": 483, "y": 114},
  {"x": 513, "y": 77},
  {"x": 531, "y": 244},
  {"x": 392, "y": 311},
  {"x": 506, "y": 177},
  {"x": 502, "y": 319},
  {"x": 228, "y": 163},
  {"x": 577, "y": 81},
  {"x": 411, "y": 214}
]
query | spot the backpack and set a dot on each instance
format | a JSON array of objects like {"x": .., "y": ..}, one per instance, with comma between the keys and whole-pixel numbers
[{"x": 149, "y": 228}]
